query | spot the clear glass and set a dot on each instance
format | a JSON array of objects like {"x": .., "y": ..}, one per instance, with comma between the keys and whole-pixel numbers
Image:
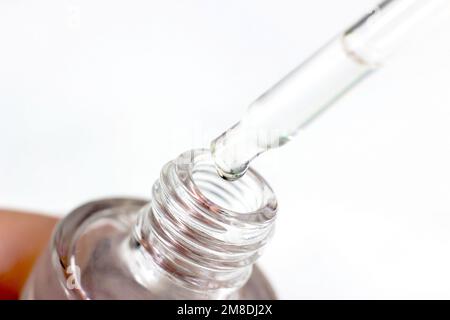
[
  {"x": 198, "y": 238},
  {"x": 292, "y": 103}
]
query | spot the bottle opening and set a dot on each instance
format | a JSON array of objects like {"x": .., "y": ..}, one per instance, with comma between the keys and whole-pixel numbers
[
  {"x": 238, "y": 196},
  {"x": 203, "y": 230},
  {"x": 250, "y": 198}
]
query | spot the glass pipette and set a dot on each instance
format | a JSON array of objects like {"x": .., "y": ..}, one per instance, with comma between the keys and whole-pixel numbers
[{"x": 278, "y": 114}]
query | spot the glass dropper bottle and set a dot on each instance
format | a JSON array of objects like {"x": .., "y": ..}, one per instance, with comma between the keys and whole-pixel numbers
[
  {"x": 197, "y": 238},
  {"x": 292, "y": 103}
]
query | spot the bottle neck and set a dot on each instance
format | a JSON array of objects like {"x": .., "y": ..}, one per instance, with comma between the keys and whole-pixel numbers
[{"x": 202, "y": 232}]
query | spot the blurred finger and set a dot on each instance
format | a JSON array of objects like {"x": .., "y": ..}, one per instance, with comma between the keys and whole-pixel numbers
[{"x": 23, "y": 236}]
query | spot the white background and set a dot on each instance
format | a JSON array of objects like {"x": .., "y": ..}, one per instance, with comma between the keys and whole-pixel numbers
[{"x": 95, "y": 96}]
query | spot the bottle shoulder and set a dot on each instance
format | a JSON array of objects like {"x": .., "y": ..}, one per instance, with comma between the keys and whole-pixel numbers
[{"x": 95, "y": 242}]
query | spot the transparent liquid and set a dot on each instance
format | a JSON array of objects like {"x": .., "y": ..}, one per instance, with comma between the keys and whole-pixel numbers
[{"x": 291, "y": 104}]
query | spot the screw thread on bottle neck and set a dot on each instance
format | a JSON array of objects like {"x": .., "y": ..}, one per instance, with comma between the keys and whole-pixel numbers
[{"x": 203, "y": 231}]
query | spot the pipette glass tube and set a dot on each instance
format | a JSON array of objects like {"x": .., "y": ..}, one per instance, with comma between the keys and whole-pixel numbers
[{"x": 278, "y": 114}]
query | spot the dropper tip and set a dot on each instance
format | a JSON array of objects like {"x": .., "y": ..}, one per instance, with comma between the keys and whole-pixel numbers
[
  {"x": 229, "y": 176},
  {"x": 226, "y": 161}
]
